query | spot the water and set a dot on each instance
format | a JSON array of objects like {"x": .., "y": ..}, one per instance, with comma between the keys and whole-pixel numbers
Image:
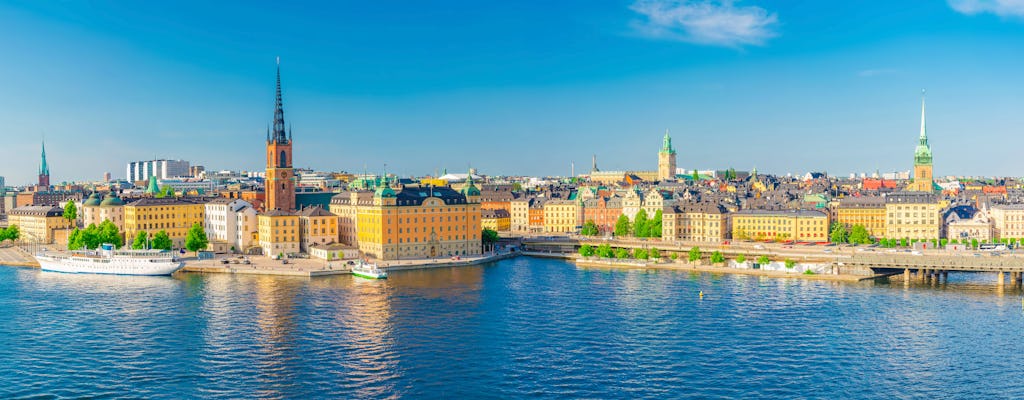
[{"x": 523, "y": 328}]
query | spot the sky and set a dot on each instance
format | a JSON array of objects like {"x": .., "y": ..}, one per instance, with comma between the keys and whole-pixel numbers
[{"x": 513, "y": 88}]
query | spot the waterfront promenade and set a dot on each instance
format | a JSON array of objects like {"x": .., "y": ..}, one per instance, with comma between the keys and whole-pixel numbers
[{"x": 313, "y": 267}]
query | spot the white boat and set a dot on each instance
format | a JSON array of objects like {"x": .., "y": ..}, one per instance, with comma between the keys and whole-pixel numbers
[
  {"x": 368, "y": 270},
  {"x": 106, "y": 260}
]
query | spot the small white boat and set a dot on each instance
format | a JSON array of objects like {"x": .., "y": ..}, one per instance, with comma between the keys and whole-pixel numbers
[
  {"x": 368, "y": 270},
  {"x": 106, "y": 260}
]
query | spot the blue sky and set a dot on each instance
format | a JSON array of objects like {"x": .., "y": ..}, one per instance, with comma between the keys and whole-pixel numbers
[{"x": 520, "y": 87}]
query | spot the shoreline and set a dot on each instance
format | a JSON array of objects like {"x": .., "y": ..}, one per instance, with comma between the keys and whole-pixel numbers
[
  {"x": 677, "y": 266},
  {"x": 315, "y": 268}
]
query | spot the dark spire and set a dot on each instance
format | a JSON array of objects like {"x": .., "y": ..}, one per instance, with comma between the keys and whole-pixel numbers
[
  {"x": 279, "y": 133},
  {"x": 43, "y": 168}
]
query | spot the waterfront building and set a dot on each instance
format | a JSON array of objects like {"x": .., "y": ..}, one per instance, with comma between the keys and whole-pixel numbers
[
  {"x": 280, "y": 178},
  {"x": 95, "y": 210},
  {"x": 535, "y": 216},
  {"x": 1007, "y": 220},
  {"x": 782, "y": 225},
  {"x": 912, "y": 215},
  {"x": 498, "y": 220},
  {"x": 278, "y": 232},
  {"x": 346, "y": 206},
  {"x": 562, "y": 216},
  {"x": 923, "y": 178},
  {"x": 142, "y": 171},
  {"x": 173, "y": 215},
  {"x": 705, "y": 223},
  {"x": 868, "y": 211},
  {"x": 317, "y": 227},
  {"x": 333, "y": 252},
  {"x": 40, "y": 224},
  {"x": 229, "y": 223},
  {"x": 964, "y": 222},
  {"x": 604, "y": 211},
  {"x": 666, "y": 160},
  {"x": 520, "y": 214}
]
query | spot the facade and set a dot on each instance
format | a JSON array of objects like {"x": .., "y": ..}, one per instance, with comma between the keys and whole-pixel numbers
[
  {"x": 280, "y": 176},
  {"x": 535, "y": 216},
  {"x": 666, "y": 160},
  {"x": 95, "y": 211},
  {"x": 967, "y": 223},
  {"x": 923, "y": 178},
  {"x": 172, "y": 215},
  {"x": 562, "y": 216},
  {"x": 704, "y": 223},
  {"x": 278, "y": 232},
  {"x": 333, "y": 252},
  {"x": 520, "y": 215},
  {"x": 912, "y": 215},
  {"x": 498, "y": 220},
  {"x": 1007, "y": 220},
  {"x": 317, "y": 227},
  {"x": 139, "y": 171},
  {"x": 604, "y": 211},
  {"x": 868, "y": 212},
  {"x": 346, "y": 207},
  {"x": 786, "y": 225},
  {"x": 39, "y": 224},
  {"x": 229, "y": 223}
]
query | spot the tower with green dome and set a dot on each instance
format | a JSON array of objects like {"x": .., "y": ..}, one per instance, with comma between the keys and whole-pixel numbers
[
  {"x": 666, "y": 159},
  {"x": 923, "y": 178}
]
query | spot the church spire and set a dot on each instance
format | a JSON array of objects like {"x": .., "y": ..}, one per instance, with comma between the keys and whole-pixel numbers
[
  {"x": 280, "y": 136},
  {"x": 924, "y": 132},
  {"x": 666, "y": 144},
  {"x": 44, "y": 169}
]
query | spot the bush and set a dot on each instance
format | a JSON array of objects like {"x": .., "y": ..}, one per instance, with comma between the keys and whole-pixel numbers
[
  {"x": 605, "y": 251},
  {"x": 621, "y": 253},
  {"x": 640, "y": 254},
  {"x": 808, "y": 272},
  {"x": 763, "y": 260},
  {"x": 654, "y": 253},
  {"x": 694, "y": 253},
  {"x": 741, "y": 259},
  {"x": 674, "y": 256},
  {"x": 790, "y": 264},
  {"x": 587, "y": 250},
  {"x": 717, "y": 257}
]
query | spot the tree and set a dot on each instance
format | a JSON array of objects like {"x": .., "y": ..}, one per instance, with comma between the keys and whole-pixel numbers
[
  {"x": 161, "y": 241},
  {"x": 741, "y": 259},
  {"x": 517, "y": 187},
  {"x": 790, "y": 264},
  {"x": 605, "y": 251},
  {"x": 166, "y": 191},
  {"x": 943, "y": 242},
  {"x": 488, "y": 235},
  {"x": 655, "y": 253},
  {"x": 622, "y": 227},
  {"x": 70, "y": 211},
  {"x": 694, "y": 254},
  {"x": 859, "y": 235},
  {"x": 674, "y": 256},
  {"x": 140, "y": 241},
  {"x": 11, "y": 233},
  {"x": 590, "y": 228},
  {"x": 717, "y": 257},
  {"x": 640, "y": 254},
  {"x": 196, "y": 238},
  {"x": 654, "y": 229},
  {"x": 108, "y": 233},
  {"x": 74, "y": 239},
  {"x": 903, "y": 242},
  {"x": 695, "y": 176},
  {"x": 621, "y": 253},
  {"x": 763, "y": 260},
  {"x": 974, "y": 243},
  {"x": 586, "y": 250},
  {"x": 838, "y": 234},
  {"x": 640, "y": 227},
  {"x": 89, "y": 238}
]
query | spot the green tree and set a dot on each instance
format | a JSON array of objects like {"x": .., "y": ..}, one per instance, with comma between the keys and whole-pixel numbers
[
  {"x": 655, "y": 253},
  {"x": 859, "y": 235},
  {"x": 943, "y": 243},
  {"x": 974, "y": 243},
  {"x": 196, "y": 238},
  {"x": 640, "y": 254},
  {"x": 622, "y": 227},
  {"x": 790, "y": 264},
  {"x": 605, "y": 251},
  {"x": 640, "y": 227},
  {"x": 741, "y": 259},
  {"x": 140, "y": 241},
  {"x": 487, "y": 235},
  {"x": 70, "y": 211},
  {"x": 621, "y": 253},
  {"x": 838, "y": 233},
  {"x": 74, "y": 239},
  {"x": 717, "y": 257},
  {"x": 90, "y": 237},
  {"x": 161, "y": 241},
  {"x": 694, "y": 254},
  {"x": 590, "y": 228},
  {"x": 108, "y": 233},
  {"x": 654, "y": 229},
  {"x": 673, "y": 256},
  {"x": 11, "y": 233},
  {"x": 903, "y": 242},
  {"x": 517, "y": 187},
  {"x": 763, "y": 260},
  {"x": 695, "y": 176},
  {"x": 587, "y": 250}
]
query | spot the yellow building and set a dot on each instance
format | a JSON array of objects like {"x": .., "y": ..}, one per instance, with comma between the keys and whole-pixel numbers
[
  {"x": 38, "y": 224},
  {"x": 562, "y": 216},
  {"x": 317, "y": 227},
  {"x": 94, "y": 210},
  {"x": 1008, "y": 220},
  {"x": 346, "y": 206},
  {"x": 278, "y": 232},
  {"x": 498, "y": 220},
  {"x": 785, "y": 225},
  {"x": 705, "y": 223},
  {"x": 868, "y": 212},
  {"x": 173, "y": 215},
  {"x": 913, "y": 215}
]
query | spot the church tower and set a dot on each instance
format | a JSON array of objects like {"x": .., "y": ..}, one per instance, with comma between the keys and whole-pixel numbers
[
  {"x": 923, "y": 178},
  {"x": 44, "y": 171},
  {"x": 666, "y": 160},
  {"x": 280, "y": 178}
]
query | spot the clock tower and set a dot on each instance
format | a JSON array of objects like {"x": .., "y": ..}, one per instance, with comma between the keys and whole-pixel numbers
[{"x": 280, "y": 177}]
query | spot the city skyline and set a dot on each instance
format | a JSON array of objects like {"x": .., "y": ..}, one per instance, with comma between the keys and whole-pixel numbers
[{"x": 121, "y": 83}]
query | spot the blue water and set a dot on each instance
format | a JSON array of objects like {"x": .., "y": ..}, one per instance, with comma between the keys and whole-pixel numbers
[{"x": 523, "y": 328}]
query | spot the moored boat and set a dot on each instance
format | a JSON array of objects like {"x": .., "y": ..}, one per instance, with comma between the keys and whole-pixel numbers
[
  {"x": 368, "y": 270},
  {"x": 106, "y": 260}
]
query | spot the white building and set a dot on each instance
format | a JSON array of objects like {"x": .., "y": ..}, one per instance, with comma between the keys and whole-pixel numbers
[
  {"x": 230, "y": 223},
  {"x": 162, "y": 169},
  {"x": 187, "y": 185}
]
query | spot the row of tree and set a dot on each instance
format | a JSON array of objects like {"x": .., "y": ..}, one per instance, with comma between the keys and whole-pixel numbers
[
  {"x": 857, "y": 234},
  {"x": 93, "y": 236},
  {"x": 10, "y": 233}
]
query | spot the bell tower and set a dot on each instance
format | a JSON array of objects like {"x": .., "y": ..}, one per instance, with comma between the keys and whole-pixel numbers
[{"x": 280, "y": 177}]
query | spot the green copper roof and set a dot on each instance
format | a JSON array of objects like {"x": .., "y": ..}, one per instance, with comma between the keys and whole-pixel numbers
[
  {"x": 93, "y": 200},
  {"x": 666, "y": 144},
  {"x": 43, "y": 168},
  {"x": 923, "y": 152},
  {"x": 152, "y": 188},
  {"x": 470, "y": 189}
]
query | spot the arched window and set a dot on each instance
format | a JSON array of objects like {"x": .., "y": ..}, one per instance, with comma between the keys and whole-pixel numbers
[{"x": 284, "y": 159}]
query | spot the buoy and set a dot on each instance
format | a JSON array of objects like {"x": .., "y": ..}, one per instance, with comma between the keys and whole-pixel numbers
[{"x": 702, "y": 296}]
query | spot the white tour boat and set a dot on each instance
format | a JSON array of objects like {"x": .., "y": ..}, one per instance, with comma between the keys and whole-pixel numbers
[
  {"x": 106, "y": 260},
  {"x": 368, "y": 270}
]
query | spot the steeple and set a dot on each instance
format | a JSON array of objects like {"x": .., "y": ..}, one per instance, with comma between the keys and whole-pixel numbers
[
  {"x": 924, "y": 132},
  {"x": 280, "y": 136},
  {"x": 43, "y": 168},
  {"x": 923, "y": 152},
  {"x": 593, "y": 164},
  {"x": 666, "y": 144}
]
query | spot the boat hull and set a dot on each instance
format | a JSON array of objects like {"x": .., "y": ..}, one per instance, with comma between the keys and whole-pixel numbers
[
  {"x": 367, "y": 275},
  {"x": 111, "y": 267}
]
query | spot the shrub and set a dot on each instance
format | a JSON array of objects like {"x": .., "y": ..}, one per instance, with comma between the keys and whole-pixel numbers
[
  {"x": 674, "y": 256},
  {"x": 695, "y": 253},
  {"x": 808, "y": 272},
  {"x": 741, "y": 259},
  {"x": 763, "y": 260},
  {"x": 717, "y": 257},
  {"x": 790, "y": 264}
]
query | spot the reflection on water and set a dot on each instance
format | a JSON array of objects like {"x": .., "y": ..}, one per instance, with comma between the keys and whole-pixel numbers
[{"x": 515, "y": 329}]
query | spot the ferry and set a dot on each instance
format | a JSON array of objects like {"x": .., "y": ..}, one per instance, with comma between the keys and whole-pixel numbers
[
  {"x": 368, "y": 270},
  {"x": 106, "y": 260}
]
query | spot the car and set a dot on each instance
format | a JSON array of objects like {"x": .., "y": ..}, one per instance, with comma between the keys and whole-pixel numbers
[
  {"x": 224, "y": 261},
  {"x": 759, "y": 247}
]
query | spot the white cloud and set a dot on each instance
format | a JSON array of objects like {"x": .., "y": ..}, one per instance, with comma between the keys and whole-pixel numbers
[
  {"x": 710, "y": 22},
  {"x": 1002, "y": 8}
]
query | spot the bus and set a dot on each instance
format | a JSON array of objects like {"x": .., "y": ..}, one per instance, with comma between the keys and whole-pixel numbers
[{"x": 992, "y": 247}]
